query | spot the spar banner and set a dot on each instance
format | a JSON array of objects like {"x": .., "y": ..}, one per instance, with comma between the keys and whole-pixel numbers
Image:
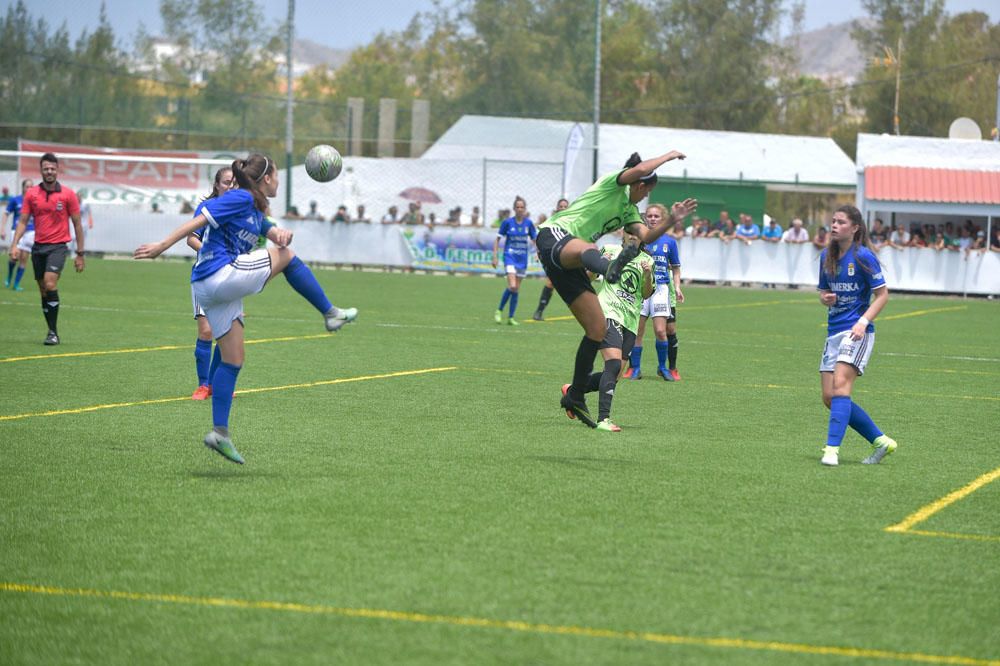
[
  {"x": 460, "y": 249},
  {"x": 128, "y": 175}
]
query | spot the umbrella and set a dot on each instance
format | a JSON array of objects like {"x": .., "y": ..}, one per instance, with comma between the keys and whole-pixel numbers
[{"x": 421, "y": 194}]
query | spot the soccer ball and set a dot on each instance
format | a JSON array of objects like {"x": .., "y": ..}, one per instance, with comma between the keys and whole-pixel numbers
[{"x": 323, "y": 163}]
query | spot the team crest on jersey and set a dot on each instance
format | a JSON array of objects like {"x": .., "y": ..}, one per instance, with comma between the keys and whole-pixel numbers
[
  {"x": 59, "y": 205},
  {"x": 850, "y": 268}
]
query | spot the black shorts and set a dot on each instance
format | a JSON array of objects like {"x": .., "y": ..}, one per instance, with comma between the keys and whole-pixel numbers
[
  {"x": 568, "y": 283},
  {"x": 673, "y": 314},
  {"x": 48, "y": 258},
  {"x": 617, "y": 336}
]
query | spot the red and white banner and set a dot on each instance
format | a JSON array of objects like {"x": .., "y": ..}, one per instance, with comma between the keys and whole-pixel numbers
[{"x": 127, "y": 176}]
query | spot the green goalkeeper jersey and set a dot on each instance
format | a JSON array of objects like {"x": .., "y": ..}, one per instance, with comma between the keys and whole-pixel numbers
[
  {"x": 603, "y": 208},
  {"x": 623, "y": 301}
]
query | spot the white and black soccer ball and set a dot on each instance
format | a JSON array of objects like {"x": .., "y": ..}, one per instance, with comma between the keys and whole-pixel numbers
[{"x": 323, "y": 163}]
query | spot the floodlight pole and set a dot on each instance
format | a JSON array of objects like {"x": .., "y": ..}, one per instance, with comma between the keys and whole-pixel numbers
[
  {"x": 289, "y": 141},
  {"x": 899, "y": 67},
  {"x": 996, "y": 128},
  {"x": 597, "y": 85}
]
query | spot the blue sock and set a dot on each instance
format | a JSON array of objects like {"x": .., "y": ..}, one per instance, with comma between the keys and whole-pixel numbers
[
  {"x": 662, "y": 347},
  {"x": 303, "y": 281},
  {"x": 10, "y": 269},
  {"x": 202, "y": 356},
  {"x": 503, "y": 299},
  {"x": 222, "y": 393},
  {"x": 840, "y": 415},
  {"x": 863, "y": 423},
  {"x": 513, "y": 303},
  {"x": 216, "y": 360},
  {"x": 635, "y": 358},
  {"x": 18, "y": 276}
]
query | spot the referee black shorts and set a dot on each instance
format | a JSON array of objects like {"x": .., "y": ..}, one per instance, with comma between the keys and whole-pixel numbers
[
  {"x": 48, "y": 258},
  {"x": 568, "y": 283}
]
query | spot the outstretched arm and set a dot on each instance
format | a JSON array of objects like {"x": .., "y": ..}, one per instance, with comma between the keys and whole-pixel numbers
[
  {"x": 153, "y": 250},
  {"x": 646, "y": 167},
  {"x": 678, "y": 211}
]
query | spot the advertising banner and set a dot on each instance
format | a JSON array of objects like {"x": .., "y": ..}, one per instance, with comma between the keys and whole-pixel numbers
[
  {"x": 459, "y": 249},
  {"x": 128, "y": 176}
]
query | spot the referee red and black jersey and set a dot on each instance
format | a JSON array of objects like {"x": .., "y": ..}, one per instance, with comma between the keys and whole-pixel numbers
[{"x": 51, "y": 211}]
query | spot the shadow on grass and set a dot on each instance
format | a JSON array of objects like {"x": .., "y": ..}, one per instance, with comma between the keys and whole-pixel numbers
[
  {"x": 582, "y": 461},
  {"x": 231, "y": 473}
]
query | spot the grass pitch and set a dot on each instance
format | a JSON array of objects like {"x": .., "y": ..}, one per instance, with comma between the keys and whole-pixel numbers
[{"x": 414, "y": 494}]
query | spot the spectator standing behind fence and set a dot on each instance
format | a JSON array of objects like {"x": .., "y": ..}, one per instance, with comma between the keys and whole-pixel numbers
[
  {"x": 341, "y": 216},
  {"x": 879, "y": 234},
  {"x": 821, "y": 238},
  {"x": 995, "y": 240},
  {"x": 413, "y": 216},
  {"x": 361, "y": 216},
  {"x": 747, "y": 231},
  {"x": 475, "y": 219},
  {"x": 796, "y": 233},
  {"x": 772, "y": 232},
  {"x": 313, "y": 213},
  {"x": 899, "y": 238},
  {"x": 917, "y": 239},
  {"x": 724, "y": 231},
  {"x": 391, "y": 216}
]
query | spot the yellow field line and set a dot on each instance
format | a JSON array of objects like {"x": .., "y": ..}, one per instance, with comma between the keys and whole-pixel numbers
[
  {"x": 140, "y": 350},
  {"x": 953, "y": 535},
  {"x": 918, "y": 313},
  {"x": 509, "y": 625},
  {"x": 926, "y": 512},
  {"x": 918, "y": 394},
  {"x": 325, "y": 382}
]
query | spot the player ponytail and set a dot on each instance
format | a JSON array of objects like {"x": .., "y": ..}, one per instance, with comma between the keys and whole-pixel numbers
[
  {"x": 859, "y": 238},
  {"x": 635, "y": 160},
  {"x": 248, "y": 174}
]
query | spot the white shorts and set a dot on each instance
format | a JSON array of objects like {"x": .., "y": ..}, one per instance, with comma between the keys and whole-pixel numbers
[
  {"x": 513, "y": 269},
  {"x": 198, "y": 310},
  {"x": 657, "y": 305},
  {"x": 221, "y": 293},
  {"x": 27, "y": 241},
  {"x": 840, "y": 348}
]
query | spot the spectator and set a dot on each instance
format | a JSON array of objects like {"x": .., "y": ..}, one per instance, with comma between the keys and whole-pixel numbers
[
  {"x": 186, "y": 208},
  {"x": 899, "y": 238},
  {"x": 950, "y": 237},
  {"x": 361, "y": 217},
  {"x": 747, "y": 231},
  {"x": 313, "y": 213},
  {"x": 341, "y": 215},
  {"x": 995, "y": 240},
  {"x": 4, "y": 196},
  {"x": 772, "y": 232},
  {"x": 965, "y": 240},
  {"x": 917, "y": 239},
  {"x": 699, "y": 229},
  {"x": 678, "y": 230},
  {"x": 155, "y": 208},
  {"x": 725, "y": 231},
  {"x": 391, "y": 216},
  {"x": 475, "y": 219},
  {"x": 879, "y": 235},
  {"x": 293, "y": 213},
  {"x": 939, "y": 241},
  {"x": 796, "y": 233},
  {"x": 979, "y": 242},
  {"x": 820, "y": 239},
  {"x": 431, "y": 219},
  {"x": 414, "y": 215},
  {"x": 454, "y": 216}
]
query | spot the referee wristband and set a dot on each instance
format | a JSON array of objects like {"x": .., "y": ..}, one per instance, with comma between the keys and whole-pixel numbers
[{"x": 864, "y": 322}]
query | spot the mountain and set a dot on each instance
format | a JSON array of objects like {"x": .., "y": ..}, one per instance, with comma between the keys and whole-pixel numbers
[
  {"x": 829, "y": 52},
  {"x": 309, "y": 54}
]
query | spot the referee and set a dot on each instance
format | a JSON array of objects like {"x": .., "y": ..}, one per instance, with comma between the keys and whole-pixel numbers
[{"x": 52, "y": 206}]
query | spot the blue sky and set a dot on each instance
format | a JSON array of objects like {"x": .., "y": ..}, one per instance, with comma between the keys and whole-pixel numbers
[{"x": 345, "y": 25}]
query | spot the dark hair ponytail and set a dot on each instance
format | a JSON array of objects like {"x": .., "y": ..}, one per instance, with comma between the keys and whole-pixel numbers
[
  {"x": 248, "y": 174},
  {"x": 633, "y": 160}
]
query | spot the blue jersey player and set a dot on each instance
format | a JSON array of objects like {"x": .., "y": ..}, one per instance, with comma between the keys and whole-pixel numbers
[
  {"x": 229, "y": 268},
  {"x": 662, "y": 305},
  {"x": 205, "y": 362},
  {"x": 27, "y": 241},
  {"x": 516, "y": 232},
  {"x": 849, "y": 276}
]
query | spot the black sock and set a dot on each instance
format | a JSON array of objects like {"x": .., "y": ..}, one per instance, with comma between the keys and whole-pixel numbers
[
  {"x": 50, "y": 308},
  {"x": 609, "y": 378},
  {"x": 672, "y": 350},
  {"x": 543, "y": 300},
  {"x": 594, "y": 261},
  {"x": 585, "y": 354},
  {"x": 595, "y": 382}
]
